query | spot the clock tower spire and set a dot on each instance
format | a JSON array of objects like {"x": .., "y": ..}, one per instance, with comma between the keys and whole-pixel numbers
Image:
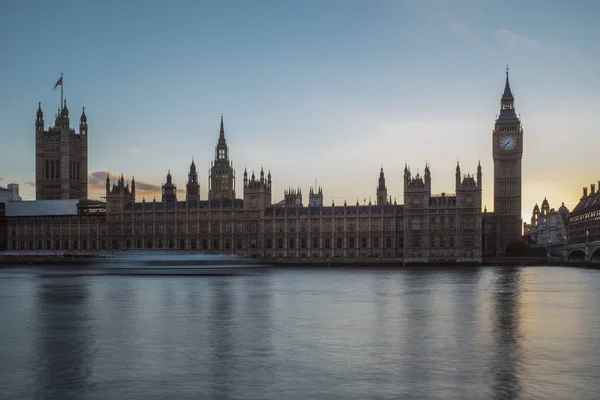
[{"x": 507, "y": 148}]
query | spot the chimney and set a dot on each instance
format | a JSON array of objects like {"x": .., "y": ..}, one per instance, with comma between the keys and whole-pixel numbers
[
  {"x": 585, "y": 192},
  {"x": 593, "y": 186}
]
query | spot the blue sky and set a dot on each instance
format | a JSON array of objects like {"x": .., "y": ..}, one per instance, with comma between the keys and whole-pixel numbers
[{"x": 311, "y": 89}]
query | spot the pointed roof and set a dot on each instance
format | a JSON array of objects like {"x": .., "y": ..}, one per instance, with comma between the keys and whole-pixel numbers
[
  {"x": 507, "y": 95},
  {"x": 222, "y": 132}
]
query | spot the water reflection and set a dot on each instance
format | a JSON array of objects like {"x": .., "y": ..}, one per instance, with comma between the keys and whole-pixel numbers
[
  {"x": 418, "y": 332},
  {"x": 485, "y": 333},
  {"x": 221, "y": 338},
  {"x": 62, "y": 338},
  {"x": 506, "y": 333}
]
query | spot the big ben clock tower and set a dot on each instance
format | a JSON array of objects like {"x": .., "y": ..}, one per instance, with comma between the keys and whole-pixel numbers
[{"x": 507, "y": 152}]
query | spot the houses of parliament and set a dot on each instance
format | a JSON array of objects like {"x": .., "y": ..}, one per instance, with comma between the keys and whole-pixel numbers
[{"x": 425, "y": 228}]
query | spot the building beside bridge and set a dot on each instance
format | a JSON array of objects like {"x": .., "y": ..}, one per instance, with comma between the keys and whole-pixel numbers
[
  {"x": 583, "y": 239},
  {"x": 548, "y": 227}
]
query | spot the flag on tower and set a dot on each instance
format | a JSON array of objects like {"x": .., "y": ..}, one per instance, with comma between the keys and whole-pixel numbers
[{"x": 58, "y": 82}]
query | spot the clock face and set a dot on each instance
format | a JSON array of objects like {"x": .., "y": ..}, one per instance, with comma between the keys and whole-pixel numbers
[{"x": 508, "y": 142}]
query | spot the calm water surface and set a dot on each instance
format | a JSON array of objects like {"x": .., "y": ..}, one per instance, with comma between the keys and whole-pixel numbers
[{"x": 487, "y": 333}]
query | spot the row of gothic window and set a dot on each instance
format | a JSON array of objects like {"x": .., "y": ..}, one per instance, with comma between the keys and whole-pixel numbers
[{"x": 52, "y": 169}]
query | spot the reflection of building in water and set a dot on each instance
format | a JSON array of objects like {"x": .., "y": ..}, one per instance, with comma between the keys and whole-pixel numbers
[
  {"x": 63, "y": 338},
  {"x": 506, "y": 333},
  {"x": 548, "y": 227},
  {"x": 221, "y": 342}
]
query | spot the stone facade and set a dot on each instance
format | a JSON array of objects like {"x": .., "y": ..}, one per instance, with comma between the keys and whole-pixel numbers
[
  {"x": 61, "y": 157},
  {"x": 507, "y": 149},
  {"x": 448, "y": 227},
  {"x": 584, "y": 220},
  {"x": 445, "y": 226},
  {"x": 221, "y": 176},
  {"x": 548, "y": 227},
  {"x": 426, "y": 228}
]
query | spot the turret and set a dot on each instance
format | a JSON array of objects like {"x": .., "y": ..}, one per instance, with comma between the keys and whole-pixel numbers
[
  {"x": 65, "y": 110},
  {"x": 39, "y": 121},
  {"x": 381, "y": 189},
  {"x": 535, "y": 215},
  {"x": 169, "y": 190},
  {"x": 406, "y": 175},
  {"x": 133, "y": 188},
  {"x": 427, "y": 177},
  {"x": 62, "y": 118},
  {"x": 457, "y": 175},
  {"x": 192, "y": 186},
  {"x": 83, "y": 127},
  {"x": 479, "y": 177},
  {"x": 315, "y": 197},
  {"x": 257, "y": 192}
]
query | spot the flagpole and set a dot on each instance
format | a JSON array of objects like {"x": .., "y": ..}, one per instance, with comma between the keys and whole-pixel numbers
[{"x": 62, "y": 85}]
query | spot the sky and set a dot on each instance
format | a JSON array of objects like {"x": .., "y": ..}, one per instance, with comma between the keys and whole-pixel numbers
[{"x": 314, "y": 91}]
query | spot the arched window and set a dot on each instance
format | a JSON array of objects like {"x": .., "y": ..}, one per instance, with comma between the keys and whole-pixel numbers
[
  {"x": 47, "y": 170},
  {"x": 78, "y": 171},
  {"x": 51, "y": 169},
  {"x": 58, "y": 169}
]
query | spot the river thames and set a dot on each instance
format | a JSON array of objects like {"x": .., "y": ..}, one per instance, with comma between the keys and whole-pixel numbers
[{"x": 409, "y": 333}]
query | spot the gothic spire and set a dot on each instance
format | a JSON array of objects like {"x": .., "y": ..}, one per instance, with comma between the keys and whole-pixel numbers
[
  {"x": 222, "y": 132},
  {"x": 507, "y": 96}
]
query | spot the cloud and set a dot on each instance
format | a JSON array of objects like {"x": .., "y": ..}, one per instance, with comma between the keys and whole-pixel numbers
[
  {"x": 30, "y": 183},
  {"x": 97, "y": 179},
  {"x": 512, "y": 39},
  {"x": 135, "y": 150}
]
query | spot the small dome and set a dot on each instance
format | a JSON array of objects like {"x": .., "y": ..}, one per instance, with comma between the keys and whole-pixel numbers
[{"x": 563, "y": 209}]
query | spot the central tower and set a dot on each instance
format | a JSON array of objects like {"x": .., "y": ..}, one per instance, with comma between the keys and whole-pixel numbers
[
  {"x": 507, "y": 147},
  {"x": 222, "y": 176}
]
